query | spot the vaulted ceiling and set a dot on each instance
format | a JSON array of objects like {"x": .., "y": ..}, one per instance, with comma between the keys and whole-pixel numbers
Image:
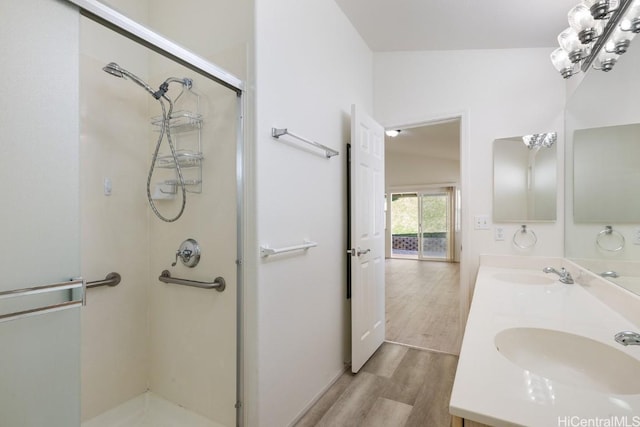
[
  {"x": 410, "y": 25},
  {"x": 399, "y": 25}
]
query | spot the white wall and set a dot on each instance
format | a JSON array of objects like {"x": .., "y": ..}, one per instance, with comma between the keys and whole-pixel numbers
[
  {"x": 411, "y": 170},
  {"x": 501, "y": 93},
  {"x": 311, "y": 66}
]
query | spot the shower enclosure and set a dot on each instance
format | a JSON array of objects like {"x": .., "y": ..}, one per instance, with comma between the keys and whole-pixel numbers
[{"x": 151, "y": 176}]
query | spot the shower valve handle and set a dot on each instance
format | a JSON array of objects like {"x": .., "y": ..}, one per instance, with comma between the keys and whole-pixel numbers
[
  {"x": 184, "y": 255},
  {"x": 188, "y": 253}
]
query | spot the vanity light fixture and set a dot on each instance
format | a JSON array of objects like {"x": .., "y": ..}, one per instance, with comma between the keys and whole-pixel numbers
[
  {"x": 540, "y": 140},
  {"x": 392, "y": 132},
  {"x": 599, "y": 32}
]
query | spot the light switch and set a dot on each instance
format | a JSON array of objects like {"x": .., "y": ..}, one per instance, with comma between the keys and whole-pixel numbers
[{"x": 481, "y": 222}]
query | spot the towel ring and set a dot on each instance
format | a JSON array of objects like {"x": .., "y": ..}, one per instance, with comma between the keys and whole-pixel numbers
[
  {"x": 524, "y": 233},
  {"x": 607, "y": 234}
]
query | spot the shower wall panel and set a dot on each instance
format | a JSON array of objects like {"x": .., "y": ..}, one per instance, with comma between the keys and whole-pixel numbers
[
  {"x": 114, "y": 136},
  {"x": 178, "y": 341},
  {"x": 192, "y": 331}
]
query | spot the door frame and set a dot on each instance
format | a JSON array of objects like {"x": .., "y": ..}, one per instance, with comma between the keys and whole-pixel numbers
[{"x": 466, "y": 223}]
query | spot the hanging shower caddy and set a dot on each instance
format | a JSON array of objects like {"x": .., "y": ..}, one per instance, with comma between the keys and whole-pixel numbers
[{"x": 185, "y": 125}]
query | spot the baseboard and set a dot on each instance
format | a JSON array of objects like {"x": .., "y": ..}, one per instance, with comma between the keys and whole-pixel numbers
[{"x": 318, "y": 396}]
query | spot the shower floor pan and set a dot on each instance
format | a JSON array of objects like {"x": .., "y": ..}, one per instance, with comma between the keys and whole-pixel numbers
[{"x": 149, "y": 410}]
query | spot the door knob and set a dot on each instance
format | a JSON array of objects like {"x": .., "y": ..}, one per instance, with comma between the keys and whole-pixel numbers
[{"x": 362, "y": 252}]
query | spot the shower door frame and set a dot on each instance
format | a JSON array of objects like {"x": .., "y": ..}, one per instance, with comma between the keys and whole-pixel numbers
[{"x": 148, "y": 38}]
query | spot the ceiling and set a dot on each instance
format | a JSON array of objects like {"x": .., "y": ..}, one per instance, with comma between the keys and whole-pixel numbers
[
  {"x": 440, "y": 140},
  {"x": 401, "y": 25},
  {"x": 409, "y": 25}
]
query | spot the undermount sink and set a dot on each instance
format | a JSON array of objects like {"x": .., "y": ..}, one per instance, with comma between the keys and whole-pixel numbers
[
  {"x": 570, "y": 359},
  {"x": 524, "y": 278}
]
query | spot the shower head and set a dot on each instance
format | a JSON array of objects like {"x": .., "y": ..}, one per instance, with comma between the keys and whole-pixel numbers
[{"x": 115, "y": 70}]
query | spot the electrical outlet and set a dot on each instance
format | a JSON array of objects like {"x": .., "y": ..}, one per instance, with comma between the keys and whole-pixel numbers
[
  {"x": 481, "y": 222},
  {"x": 499, "y": 233},
  {"x": 636, "y": 236}
]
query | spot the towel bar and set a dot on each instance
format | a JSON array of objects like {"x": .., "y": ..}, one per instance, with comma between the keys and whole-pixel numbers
[
  {"x": 265, "y": 251},
  {"x": 72, "y": 285},
  {"x": 329, "y": 152}
]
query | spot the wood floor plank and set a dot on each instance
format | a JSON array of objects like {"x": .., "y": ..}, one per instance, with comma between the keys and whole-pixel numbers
[
  {"x": 385, "y": 360},
  {"x": 387, "y": 413},
  {"x": 356, "y": 401},
  {"x": 422, "y": 303},
  {"x": 422, "y": 377},
  {"x": 320, "y": 408},
  {"x": 408, "y": 378},
  {"x": 431, "y": 407}
]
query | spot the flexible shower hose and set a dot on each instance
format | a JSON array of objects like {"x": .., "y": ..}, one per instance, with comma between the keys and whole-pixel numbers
[{"x": 165, "y": 129}]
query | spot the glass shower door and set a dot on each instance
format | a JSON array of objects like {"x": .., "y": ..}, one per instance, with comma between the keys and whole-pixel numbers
[{"x": 40, "y": 327}]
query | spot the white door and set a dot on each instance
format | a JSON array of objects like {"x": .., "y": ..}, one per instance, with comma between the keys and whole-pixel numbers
[{"x": 367, "y": 237}]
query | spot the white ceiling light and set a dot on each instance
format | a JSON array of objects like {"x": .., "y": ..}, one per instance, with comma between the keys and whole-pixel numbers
[
  {"x": 600, "y": 31},
  {"x": 392, "y": 132}
]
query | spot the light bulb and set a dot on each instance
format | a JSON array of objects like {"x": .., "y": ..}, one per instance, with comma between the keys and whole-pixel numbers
[
  {"x": 529, "y": 140},
  {"x": 568, "y": 40},
  {"x": 561, "y": 62},
  {"x": 605, "y": 60},
  {"x": 580, "y": 18},
  {"x": 631, "y": 20},
  {"x": 619, "y": 41},
  {"x": 600, "y": 9},
  {"x": 392, "y": 132},
  {"x": 582, "y": 22}
]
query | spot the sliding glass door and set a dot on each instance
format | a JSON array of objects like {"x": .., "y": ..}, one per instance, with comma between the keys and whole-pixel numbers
[
  {"x": 39, "y": 250},
  {"x": 435, "y": 226},
  {"x": 422, "y": 224}
]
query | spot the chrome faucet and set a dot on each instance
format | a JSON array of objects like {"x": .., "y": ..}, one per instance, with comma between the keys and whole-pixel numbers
[
  {"x": 565, "y": 276},
  {"x": 628, "y": 338}
]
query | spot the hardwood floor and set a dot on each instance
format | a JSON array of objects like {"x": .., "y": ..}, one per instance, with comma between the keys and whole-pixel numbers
[
  {"x": 423, "y": 303},
  {"x": 398, "y": 387},
  {"x": 403, "y": 386}
]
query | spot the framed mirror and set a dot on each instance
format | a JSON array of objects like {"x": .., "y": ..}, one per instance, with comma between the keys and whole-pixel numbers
[{"x": 524, "y": 178}]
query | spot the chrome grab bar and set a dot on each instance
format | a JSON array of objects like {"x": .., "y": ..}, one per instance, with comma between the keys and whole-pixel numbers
[
  {"x": 329, "y": 152},
  {"x": 112, "y": 279},
  {"x": 78, "y": 283},
  {"x": 265, "y": 251},
  {"x": 218, "y": 283}
]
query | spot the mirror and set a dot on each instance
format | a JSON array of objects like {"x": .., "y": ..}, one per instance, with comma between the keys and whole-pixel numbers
[
  {"x": 524, "y": 178},
  {"x": 602, "y": 193},
  {"x": 605, "y": 171}
]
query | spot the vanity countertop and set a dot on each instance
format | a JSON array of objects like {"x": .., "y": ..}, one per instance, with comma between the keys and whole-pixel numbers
[{"x": 491, "y": 389}]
